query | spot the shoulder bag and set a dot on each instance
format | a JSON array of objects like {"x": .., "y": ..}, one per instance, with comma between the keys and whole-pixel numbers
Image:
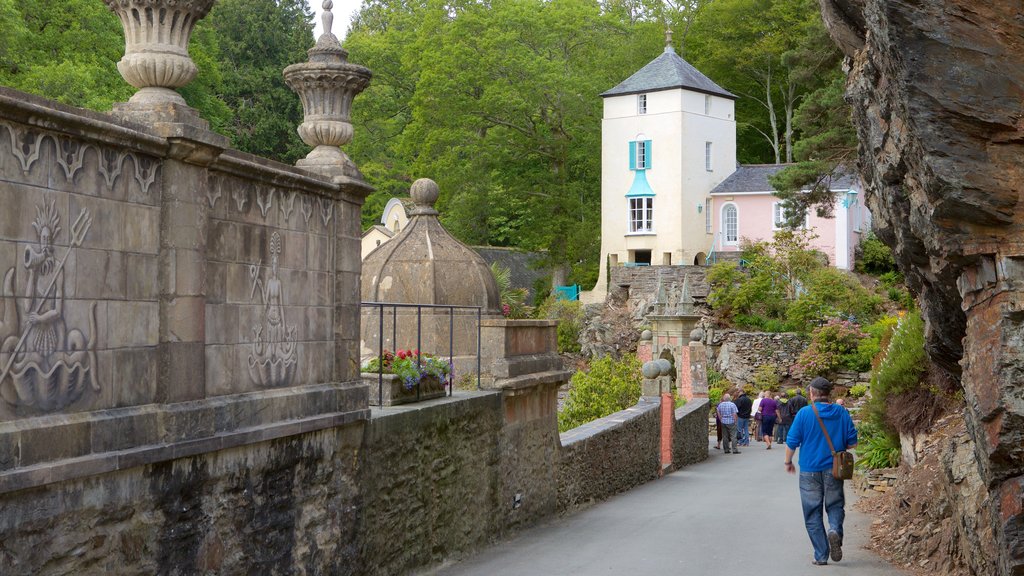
[{"x": 842, "y": 461}]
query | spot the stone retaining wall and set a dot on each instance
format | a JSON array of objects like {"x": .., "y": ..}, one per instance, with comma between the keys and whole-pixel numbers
[
  {"x": 609, "y": 455},
  {"x": 690, "y": 433},
  {"x": 738, "y": 354}
]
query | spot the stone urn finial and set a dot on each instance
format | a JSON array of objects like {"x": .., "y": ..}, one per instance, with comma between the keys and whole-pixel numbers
[
  {"x": 327, "y": 84},
  {"x": 424, "y": 193},
  {"x": 156, "y": 36}
]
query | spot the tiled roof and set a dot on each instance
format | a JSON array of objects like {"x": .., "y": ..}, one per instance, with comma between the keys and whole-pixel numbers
[
  {"x": 664, "y": 73},
  {"x": 522, "y": 266},
  {"x": 749, "y": 178},
  {"x": 754, "y": 178}
]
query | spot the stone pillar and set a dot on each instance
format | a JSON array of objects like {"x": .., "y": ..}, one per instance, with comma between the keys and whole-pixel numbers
[
  {"x": 327, "y": 84},
  {"x": 698, "y": 357},
  {"x": 993, "y": 299},
  {"x": 156, "y": 61}
]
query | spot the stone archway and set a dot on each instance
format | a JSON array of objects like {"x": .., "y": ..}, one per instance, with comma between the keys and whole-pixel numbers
[{"x": 700, "y": 259}]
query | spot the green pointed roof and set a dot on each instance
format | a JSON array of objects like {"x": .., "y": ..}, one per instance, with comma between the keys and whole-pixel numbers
[{"x": 667, "y": 72}]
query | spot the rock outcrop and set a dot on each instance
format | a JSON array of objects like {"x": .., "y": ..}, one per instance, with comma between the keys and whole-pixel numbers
[{"x": 937, "y": 90}]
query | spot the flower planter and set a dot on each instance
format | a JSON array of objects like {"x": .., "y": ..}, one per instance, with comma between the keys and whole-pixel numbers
[{"x": 394, "y": 391}]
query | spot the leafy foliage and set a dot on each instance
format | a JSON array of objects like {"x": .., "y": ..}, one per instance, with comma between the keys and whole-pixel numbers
[
  {"x": 874, "y": 257},
  {"x": 876, "y": 448},
  {"x": 766, "y": 377},
  {"x": 858, "y": 391},
  {"x": 609, "y": 386},
  {"x": 832, "y": 346},
  {"x": 513, "y": 300},
  {"x": 786, "y": 286},
  {"x": 900, "y": 371},
  {"x": 569, "y": 314}
]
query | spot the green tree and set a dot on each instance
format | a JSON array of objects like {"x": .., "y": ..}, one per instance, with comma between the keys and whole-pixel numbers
[{"x": 256, "y": 40}]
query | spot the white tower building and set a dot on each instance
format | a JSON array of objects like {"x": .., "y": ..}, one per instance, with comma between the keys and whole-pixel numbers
[{"x": 668, "y": 136}]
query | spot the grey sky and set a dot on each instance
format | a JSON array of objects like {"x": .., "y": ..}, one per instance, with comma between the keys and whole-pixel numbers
[{"x": 343, "y": 10}]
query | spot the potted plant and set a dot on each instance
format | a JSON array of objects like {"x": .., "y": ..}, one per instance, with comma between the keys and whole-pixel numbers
[{"x": 406, "y": 376}]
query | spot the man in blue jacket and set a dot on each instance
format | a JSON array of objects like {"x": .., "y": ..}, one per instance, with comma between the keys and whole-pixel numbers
[{"x": 819, "y": 491}]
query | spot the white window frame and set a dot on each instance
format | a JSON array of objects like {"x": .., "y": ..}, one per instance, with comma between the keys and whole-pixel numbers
[
  {"x": 641, "y": 155},
  {"x": 708, "y": 155},
  {"x": 725, "y": 226},
  {"x": 708, "y": 218},
  {"x": 641, "y": 103},
  {"x": 778, "y": 216},
  {"x": 707, "y": 104},
  {"x": 641, "y": 215}
]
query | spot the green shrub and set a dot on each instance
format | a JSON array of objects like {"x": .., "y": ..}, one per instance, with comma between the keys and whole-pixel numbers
[
  {"x": 513, "y": 300},
  {"x": 870, "y": 347},
  {"x": 609, "y": 386},
  {"x": 715, "y": 395},
  {"x": 569, "y": 314},
  {"x": 791, "y": 392},
  {"x": 830, "y": 349},
  {"x": 874, "y": 257},
  {"x": 756, "y": 323},
  {"x": 901, "y": 368},
  {"x": 766, "y": 377},
  {"x": 876, "y": 448},
  {"x": 858, "y": 391},
  {"x": 831, "y": 293}
]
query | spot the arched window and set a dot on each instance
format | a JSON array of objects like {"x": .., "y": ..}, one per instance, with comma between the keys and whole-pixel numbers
[{"x": 730, "y": 224}]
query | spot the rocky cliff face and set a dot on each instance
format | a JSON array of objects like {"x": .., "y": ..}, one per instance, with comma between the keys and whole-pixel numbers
[{"x": 937, "y": 89}]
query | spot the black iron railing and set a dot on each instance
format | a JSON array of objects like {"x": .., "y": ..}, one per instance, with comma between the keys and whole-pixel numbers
[{"x": 382, "y": 306}]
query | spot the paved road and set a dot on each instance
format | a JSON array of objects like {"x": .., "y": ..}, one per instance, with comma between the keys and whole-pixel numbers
[{"x": 729, "y": 515}]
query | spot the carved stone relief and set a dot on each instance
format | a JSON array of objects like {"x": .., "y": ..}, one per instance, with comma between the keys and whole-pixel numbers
[
  {"x": 307, "y": 209},
  {"x": 70, "y": 156},
  {"x": 264, "y": 199},
  {"x": 326, "y": 210},
  {"x": 240, "y": 199},
  {"x": 26, "y": 145},
  {"x": 43, "y": 365},
  {"x": 288, "y": 206},
  {"x": 213, "y": 193},
  {"x": 273, "y": 361}
]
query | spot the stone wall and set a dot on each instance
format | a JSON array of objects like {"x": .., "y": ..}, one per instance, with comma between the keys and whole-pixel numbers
[
  {"x": 431, "y": 482},
  {"x": 163, "y": 296},
  {"x": 285, "y": 506},
  {"x": 690, "y": 433},
  {"x": 609, "y": 455},
  {"x": 642, "y": 281},
  {"x": 738, "y": 354}
]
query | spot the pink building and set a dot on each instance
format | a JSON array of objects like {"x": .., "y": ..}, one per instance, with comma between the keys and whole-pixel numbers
[{"x": 744, "y": 207}]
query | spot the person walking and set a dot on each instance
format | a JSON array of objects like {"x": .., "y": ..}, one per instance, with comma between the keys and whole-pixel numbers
[
  {"x": 819, "y": 490},
  {"x": 727, "y": 414},
  {"x": 768, "y": 409},
  {"x": 744, "y": 406},
  {"x": 756, "y": 411},
  {"x": 796, "y": 403},
  {"x": 783, "y": 421}
]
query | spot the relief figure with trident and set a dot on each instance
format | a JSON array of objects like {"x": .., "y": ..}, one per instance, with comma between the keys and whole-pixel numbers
[{"x": 46, "y": 366}]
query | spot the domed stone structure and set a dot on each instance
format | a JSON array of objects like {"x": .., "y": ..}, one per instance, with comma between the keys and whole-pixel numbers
[{"x": 425, "y": 264}]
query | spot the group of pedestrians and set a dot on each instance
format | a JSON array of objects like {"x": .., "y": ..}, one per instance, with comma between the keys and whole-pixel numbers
[
  {"x": 818, "y": 433},
  {"x": 767, "y": 418}
]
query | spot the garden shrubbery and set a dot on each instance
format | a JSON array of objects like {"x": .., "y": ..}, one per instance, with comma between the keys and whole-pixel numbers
[
  {"x": 609, "y": 386},
  {"x": 569, "y": 314},
  {"x": 784, "y": 286}
]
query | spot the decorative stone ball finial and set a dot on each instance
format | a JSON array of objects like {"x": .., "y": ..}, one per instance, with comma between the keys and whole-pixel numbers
[
  {"x": 696, "y": 335},
  {"x": 424, "y": 193},
  {"x": 651, "y": 370},
  {"x": 646, "y": 335},
  {"x": 664, "y": 366}
]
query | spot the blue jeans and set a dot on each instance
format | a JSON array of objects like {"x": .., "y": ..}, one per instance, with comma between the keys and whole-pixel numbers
[
  {"x": 820, "y": 492},
  {"x": 743, "y": 427}
]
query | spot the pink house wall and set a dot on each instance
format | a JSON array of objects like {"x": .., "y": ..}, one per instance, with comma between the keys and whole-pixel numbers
[{"x": 755, "y": 223}]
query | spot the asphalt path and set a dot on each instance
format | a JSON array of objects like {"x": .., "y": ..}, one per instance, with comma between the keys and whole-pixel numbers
[{"x": 731, "y": 514}]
